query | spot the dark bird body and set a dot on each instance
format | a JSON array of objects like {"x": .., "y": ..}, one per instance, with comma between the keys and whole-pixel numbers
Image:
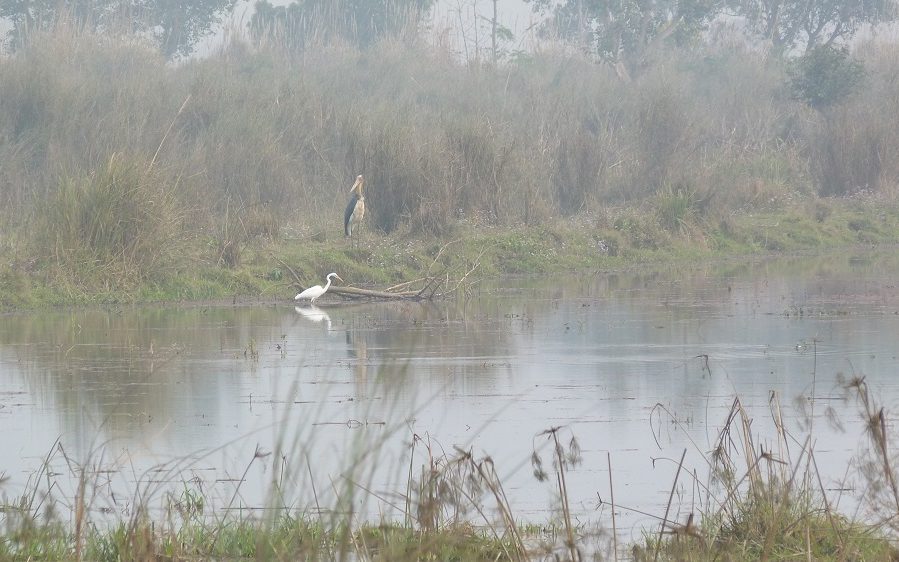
[{"x": 355, "y": 209}]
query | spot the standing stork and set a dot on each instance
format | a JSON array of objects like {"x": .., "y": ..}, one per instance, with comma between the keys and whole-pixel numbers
[{"x": 355, "y": 209}]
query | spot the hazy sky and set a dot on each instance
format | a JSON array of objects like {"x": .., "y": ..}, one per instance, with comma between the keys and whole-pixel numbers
[{"x": 514, "y": 14}]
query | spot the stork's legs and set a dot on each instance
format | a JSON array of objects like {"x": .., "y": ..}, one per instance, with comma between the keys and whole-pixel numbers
[{"x": 355, "y": 234}]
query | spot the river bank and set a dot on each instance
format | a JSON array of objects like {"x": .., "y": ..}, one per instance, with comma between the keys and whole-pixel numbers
[{"x": 274, "y": 268}]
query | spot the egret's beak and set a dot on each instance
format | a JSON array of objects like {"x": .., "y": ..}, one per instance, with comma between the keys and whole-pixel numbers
[
  {"x": 358, "y": 184},
  {"x": 341, "y": 280}
]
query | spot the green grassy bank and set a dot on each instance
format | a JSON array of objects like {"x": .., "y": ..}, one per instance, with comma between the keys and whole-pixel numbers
[
  {"x": 274, "y": 268},
  {"x": 290, "y": 538}
]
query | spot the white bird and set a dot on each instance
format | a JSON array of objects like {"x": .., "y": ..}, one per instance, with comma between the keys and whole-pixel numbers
[{"x": 316, "y": 291}]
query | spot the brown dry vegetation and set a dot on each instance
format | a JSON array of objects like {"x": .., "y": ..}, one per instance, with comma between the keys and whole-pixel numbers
[{"x": 119, "y": 167}]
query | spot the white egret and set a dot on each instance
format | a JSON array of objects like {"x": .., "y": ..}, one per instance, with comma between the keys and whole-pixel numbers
[
  {"x": 316, "y": 291},
  {"x": 355, "y": 209}
]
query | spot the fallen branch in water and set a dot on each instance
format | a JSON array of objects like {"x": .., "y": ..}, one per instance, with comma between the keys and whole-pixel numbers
[
  {"x": 461, "y": 283},
  {"x": 355, "y": 292},
  {"x": 427, "y": 291}
]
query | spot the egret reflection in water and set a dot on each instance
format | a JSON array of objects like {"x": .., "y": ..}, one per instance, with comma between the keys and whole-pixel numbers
[{"x": 314, "y": 314}]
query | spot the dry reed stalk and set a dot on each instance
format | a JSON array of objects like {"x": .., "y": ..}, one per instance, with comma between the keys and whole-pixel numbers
[
  {"x": 782, "y": 441},
  {"x": 257, "y": 454},
  {"x": 408, "y": 509},
  {"x": 561, "y": 460},
  {"x": 612, "y": 496},
  {"x": 167, "y": 131},
  {"x": 680, "y": 465},
  {"x": 827, "y": 509},
  {"x": 876, "y": 428},
  {"x": 493, "y": 483}
]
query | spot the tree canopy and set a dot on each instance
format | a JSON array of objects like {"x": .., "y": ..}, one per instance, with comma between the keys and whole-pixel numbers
[
  {"x": 791, "y": 24},
  {"x": 359, "y": 22},
  {"x": 175, "y": 25},
  {"x": 623, "y": 32}
]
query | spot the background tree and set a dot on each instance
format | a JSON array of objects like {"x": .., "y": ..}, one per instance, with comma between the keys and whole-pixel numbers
[
  {"x": 499, "y": 35},
  {"x": 175, "y": 25},
  {"x": 623, "y": 32},
  {"x": 790, "y": 24},
  {"x": 360, "y": 22},
  {"x": 825, "y": 76}
]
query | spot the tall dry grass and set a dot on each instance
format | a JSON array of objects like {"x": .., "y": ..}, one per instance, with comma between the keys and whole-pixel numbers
[
  {"x": 122, "y": 221},
  {"x": 283, "y": 133}
]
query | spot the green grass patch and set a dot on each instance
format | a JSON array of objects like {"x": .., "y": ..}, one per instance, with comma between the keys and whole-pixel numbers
[{"x": 274, "y": 268}]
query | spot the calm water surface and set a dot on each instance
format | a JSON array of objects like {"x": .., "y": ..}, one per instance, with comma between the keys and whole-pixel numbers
[{"x": 164, "y": 399}]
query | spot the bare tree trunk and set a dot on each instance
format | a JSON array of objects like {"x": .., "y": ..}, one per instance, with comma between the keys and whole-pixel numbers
[{"x": 493, "y": 25}]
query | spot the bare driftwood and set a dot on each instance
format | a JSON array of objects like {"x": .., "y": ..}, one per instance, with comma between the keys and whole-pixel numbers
[
  {"x": 356, "y": 292},
  {"x": 432, "y": 285},
  {"x": 427, "y": 291}
]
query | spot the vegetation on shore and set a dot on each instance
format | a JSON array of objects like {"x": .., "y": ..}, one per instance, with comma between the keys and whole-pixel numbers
[
  {"x": 125, "y": 178},
  {"x": 275, "y": 269}
]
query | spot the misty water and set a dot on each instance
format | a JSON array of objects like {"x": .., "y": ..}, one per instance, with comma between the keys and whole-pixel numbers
[{"x": 226, "y": 400}]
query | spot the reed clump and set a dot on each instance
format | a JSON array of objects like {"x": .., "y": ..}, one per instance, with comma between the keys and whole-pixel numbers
[
  {"x": 769, "y": 502},
  {"x": 118, "y": 222}
]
